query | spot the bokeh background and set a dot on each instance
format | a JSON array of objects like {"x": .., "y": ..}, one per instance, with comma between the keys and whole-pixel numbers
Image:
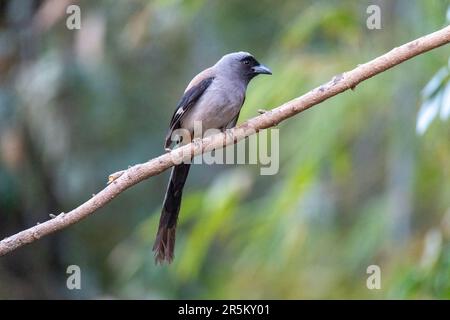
[{"x": 364, "y": 177}]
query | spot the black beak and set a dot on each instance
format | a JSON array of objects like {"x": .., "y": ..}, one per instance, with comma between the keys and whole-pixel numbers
[{"x": 261, "y": 69}]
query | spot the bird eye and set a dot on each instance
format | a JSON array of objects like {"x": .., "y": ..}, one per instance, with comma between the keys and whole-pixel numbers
[{"x": 246, "y": 62}]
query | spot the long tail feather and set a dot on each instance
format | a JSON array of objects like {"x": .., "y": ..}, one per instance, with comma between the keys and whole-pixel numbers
[{"x": 165, "y": 238}]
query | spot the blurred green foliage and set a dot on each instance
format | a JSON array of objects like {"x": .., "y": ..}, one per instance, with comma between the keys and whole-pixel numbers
[{"x": 357, "y": 185}]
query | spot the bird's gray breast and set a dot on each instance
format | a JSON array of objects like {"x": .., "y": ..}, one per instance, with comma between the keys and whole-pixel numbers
[{"x": 217, "y": 107}]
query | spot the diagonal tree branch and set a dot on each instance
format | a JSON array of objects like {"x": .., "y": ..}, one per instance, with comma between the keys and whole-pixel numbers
[{"x": 137, "y": 173}]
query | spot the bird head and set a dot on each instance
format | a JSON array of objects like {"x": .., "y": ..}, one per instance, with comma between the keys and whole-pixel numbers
[{"x": 242, "y": 65}]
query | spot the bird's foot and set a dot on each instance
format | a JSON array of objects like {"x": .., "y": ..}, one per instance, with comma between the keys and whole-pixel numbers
[{"x": 229, "y": 135}]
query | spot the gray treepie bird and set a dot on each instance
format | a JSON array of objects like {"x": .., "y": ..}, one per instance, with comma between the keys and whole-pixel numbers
[{"x": 213, "y": 98}]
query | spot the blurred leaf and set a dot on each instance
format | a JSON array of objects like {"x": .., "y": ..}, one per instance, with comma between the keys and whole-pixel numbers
[
  {"x": 436, "y": 94},
  {"x": 428, "y": 111}
]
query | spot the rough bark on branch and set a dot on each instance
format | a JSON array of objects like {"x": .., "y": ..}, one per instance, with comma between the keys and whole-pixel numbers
[{"x": 137, "y": 173}]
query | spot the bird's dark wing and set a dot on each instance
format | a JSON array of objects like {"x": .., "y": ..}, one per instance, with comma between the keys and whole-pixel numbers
[
  {"x": 233, "y": 122},
  {"x": 189, "y": 98}
]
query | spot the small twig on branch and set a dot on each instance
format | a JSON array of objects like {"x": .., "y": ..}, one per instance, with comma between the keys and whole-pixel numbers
[{"x": 137, "y": 173}]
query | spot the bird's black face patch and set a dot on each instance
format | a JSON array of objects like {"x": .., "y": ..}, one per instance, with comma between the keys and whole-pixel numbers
[
  {"x": 249, "y": 61},
  {"x": 247, "y": 64}
]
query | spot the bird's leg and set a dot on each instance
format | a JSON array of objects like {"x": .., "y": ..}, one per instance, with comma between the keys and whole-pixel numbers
[
  {"x": 228, "y": 132},
  {"x": 229, "y": 135},
  {"x": 197, "y": 142}
]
